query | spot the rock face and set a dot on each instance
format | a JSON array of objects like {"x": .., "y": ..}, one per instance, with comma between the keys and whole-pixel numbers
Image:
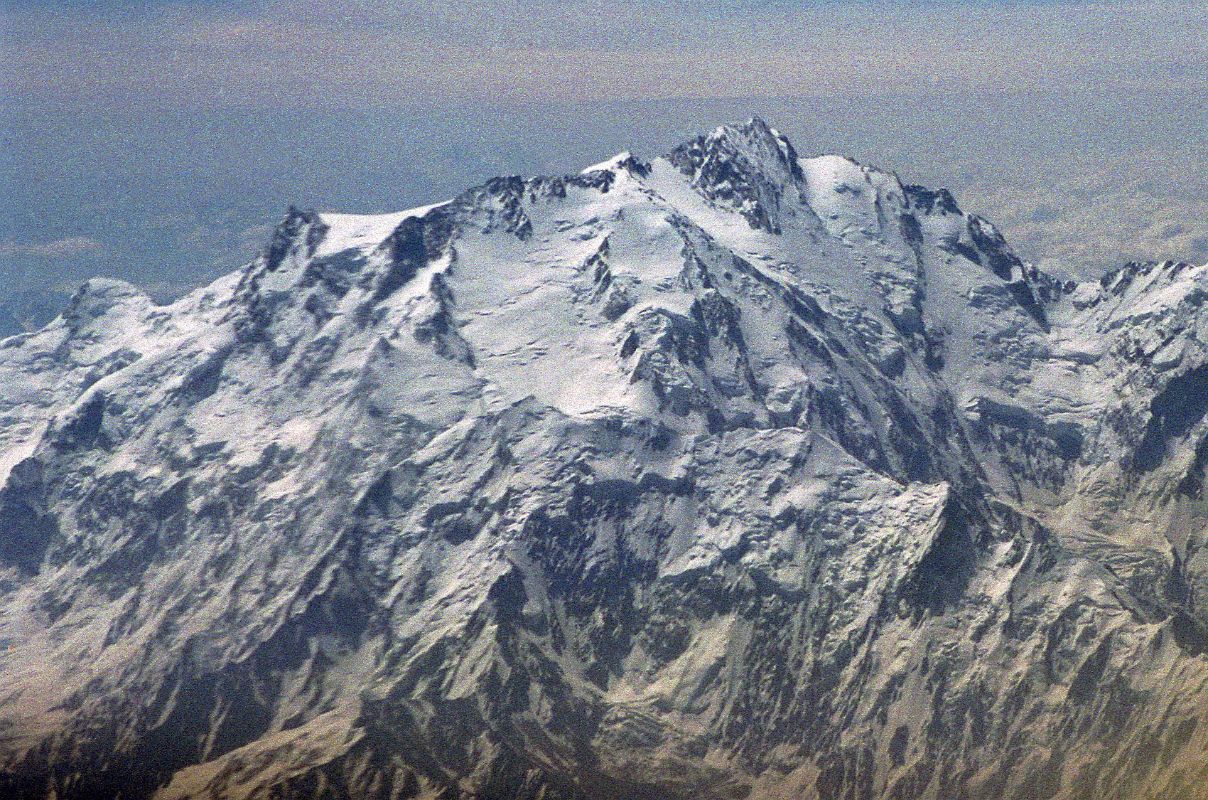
[{"x": 729, "y": 474}]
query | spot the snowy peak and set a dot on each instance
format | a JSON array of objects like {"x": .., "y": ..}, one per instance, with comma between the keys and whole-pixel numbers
[
  {"x": 752, "y": 144},
  {"x": 1140, "y": 277},
  {"x": 621, "y": 161},
  {"x": 653, "y": 246},
  {"x": 100, "y": 296},
  {"x": 755, "y": 171},
  {"x": 299, "y": 227},
  {"x": 728, "y": 474},
  {"x": 747, "y": 167},
  {"x": 931, "y": 201}
]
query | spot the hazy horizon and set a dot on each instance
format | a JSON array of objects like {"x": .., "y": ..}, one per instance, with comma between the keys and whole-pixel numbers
[{"x": 1086, "y": 145}]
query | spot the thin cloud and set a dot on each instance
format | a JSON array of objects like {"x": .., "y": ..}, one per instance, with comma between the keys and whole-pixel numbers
[{"x": 60, "y": 248}]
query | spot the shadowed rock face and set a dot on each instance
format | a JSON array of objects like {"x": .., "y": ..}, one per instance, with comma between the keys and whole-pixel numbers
[{"x": 733, "y": 474}]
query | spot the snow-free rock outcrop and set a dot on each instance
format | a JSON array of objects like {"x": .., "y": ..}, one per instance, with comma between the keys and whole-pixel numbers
[{"x": 728, "y": 474}]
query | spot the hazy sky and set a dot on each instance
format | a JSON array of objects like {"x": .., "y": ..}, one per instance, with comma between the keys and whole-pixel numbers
[
  {"x": 156, "y": 140},
  {"x": 342, "y": 52},
  {"x": 358, "y": 52}
]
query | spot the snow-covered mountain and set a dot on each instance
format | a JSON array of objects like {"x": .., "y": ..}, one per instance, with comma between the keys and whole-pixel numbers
[{"x": 728, "y": 474}]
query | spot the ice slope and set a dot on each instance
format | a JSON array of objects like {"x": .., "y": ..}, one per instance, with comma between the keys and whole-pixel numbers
[{"x": 728, "y": 474}]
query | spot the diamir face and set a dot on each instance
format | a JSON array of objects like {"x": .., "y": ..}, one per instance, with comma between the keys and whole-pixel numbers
[{"x": 727, "y": 474}]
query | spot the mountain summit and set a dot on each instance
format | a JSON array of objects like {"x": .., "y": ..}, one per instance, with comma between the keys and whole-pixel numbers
[{"x": 730, "y": 474}]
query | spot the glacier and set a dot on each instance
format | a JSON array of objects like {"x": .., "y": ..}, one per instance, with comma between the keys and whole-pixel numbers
[{"x": 728, "y": 474}]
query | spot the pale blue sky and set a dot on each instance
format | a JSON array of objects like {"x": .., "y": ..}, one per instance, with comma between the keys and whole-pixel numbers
[{"x": 156, "y": 140}]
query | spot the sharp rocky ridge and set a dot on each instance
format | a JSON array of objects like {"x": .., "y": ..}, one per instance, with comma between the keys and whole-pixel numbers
[{"x": 729, "y": 474}]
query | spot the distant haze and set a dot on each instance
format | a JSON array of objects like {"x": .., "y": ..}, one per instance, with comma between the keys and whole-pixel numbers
[{"x": 159, "y": 145}]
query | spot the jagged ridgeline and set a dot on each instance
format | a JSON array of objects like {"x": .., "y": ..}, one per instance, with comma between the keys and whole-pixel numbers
[{"x": 730, "y": 474}]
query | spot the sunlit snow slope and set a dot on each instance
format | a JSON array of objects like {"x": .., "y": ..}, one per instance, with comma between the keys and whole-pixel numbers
[{"x": 728, "y": 474}]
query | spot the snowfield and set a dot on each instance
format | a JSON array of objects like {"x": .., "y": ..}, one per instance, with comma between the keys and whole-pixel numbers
[{"x": 728, "y": 474}]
